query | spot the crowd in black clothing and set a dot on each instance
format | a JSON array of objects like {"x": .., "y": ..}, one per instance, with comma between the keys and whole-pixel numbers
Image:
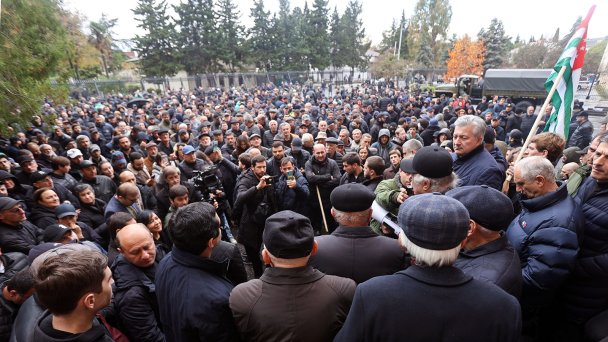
[{"x": 103, "y": 172}]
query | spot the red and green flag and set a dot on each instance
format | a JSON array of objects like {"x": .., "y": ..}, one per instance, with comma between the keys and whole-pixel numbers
[{"x": 572, "y": 58}]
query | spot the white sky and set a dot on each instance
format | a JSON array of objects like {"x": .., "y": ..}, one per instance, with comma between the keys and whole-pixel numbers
[{"x": 524, "y": 17}]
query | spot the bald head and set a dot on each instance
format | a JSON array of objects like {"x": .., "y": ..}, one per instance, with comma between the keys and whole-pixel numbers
[
  {"x": 254, "y": 152},
  {"x": 126, "y": 177},
  {"x": 136, "y": 245},
  {"x": 319, "y": 152},
  {"x": 568, "y": 169}
]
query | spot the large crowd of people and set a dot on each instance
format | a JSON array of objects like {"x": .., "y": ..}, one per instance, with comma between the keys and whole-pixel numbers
[{"x": 246, "y": 214}]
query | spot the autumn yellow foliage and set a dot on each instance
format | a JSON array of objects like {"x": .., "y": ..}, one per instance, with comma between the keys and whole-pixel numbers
[{"x": 466, "y": 57}]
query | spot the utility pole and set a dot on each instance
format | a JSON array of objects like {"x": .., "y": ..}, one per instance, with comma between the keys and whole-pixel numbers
[{"x": 400, "y": 36}]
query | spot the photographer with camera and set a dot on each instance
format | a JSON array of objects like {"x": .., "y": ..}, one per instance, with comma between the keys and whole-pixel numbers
[
  {"x": 253, "y": 205},
  {"x": 210, "y": 183}
]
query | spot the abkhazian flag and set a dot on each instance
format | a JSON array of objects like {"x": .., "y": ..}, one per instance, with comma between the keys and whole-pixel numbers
[{"x": 572, "y": 58}]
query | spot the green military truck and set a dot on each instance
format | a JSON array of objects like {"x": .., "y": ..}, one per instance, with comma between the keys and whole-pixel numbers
[{"x": 523, "y": 86}]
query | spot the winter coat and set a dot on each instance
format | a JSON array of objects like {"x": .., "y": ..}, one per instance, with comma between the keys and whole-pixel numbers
[
  {"x": 495, "y": 262},
  {"x": 582, "y": 135},
  {"x": 44, "y": 332},
  {"x": 544, "y": 235},
  {"x": 584, "y": 293},
  {"x": 292, "y": 199},
  {"x": 431, "y": 304},
  {"x": 8, "y": 312},
  {"x": 135, "y": 301},
  {"x": 92, "y": 214},
  {"x": 478, "y": 168},
  {"x": 43, "y": 216},
  {"x": 66, "y": 180},
  {"x": 20, "y": 238},
  {"x": 103, "y": 186},
  {"x": 324, "y": 176},
  {"x": 192, "y": 294},
  {"x": 428, "y": 135},
  {"x": 383, "y": 150},
  {"x": 248, "y": 199},
  {"x": 358, "y": 253},
  {"x": 306, "y": 305}
]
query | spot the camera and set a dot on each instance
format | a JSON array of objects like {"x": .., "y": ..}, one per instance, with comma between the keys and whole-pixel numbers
[
  {"x": 208, "y": 183},
  {"x": 270, "y": 180}
]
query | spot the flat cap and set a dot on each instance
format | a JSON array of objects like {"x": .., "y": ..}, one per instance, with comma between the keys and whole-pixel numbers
[
  {"x": 332, "y": 140},
  {"x": 434, "y": 221},
  {"x": 488, "y": 207},
  {"x": 433, "y": 162},
  {"x": 352, "y": 197},
  {"x": 288, "y": 235}
]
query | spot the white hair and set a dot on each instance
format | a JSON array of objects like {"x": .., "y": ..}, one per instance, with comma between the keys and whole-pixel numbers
[
  {"x": 533, "y": 166},
  {"x": 429, "y": 257},
  {"x": 479, "y": 126},
  {"x": 443, "y": 184}
]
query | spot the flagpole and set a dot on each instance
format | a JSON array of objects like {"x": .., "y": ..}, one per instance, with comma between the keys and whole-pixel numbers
[{"x": 556, "y": 82}]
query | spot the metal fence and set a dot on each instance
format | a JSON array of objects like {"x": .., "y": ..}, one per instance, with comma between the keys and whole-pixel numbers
[{"x": 329, "y": 79}]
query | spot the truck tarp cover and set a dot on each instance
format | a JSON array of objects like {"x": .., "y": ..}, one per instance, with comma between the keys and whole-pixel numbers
[{"x": 516, "y": 80}]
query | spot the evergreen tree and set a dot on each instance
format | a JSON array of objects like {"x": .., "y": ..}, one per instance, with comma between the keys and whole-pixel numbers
[
  {"x": 283, "y": 37},
  {"x": 496, "y": 44},
  {"x": 434, "y": 16},
  {"x": 157, "y": 52},
  {"x": 231, "y": 50},
  {"x": 517, "y": 40},
  {"x": 390, "y": 37},
  {"x": 354, "y": 48},
  {"x": 198, "y": 39},
  {"x": 261, "y": 40},
  {"x": 336, "y": 40},
  {"x": 555, "y": 38},
  {"x": 299, "y": 52},
  {"x": 317, "y": 36},
  {"x": 425, "y": 55}
]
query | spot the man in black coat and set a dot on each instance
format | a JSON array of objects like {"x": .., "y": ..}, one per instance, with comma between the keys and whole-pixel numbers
[
  {"x": 16, "y": 233},
  {"x": 323, "y": 176},
  {"x": 134, "y": 271},
  {"x": 486, "y": 253},
  {"x": 431, "y": 300},
  {"x": 354, "y": 250},
  {"x": 253, "y": 204}
]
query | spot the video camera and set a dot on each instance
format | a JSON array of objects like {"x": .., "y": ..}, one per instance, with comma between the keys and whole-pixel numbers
[{"x": 208, "y": 183}]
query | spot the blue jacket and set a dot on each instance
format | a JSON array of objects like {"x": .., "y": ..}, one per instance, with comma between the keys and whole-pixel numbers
[
  {"x": 544, "y": 235},
  {"x": 584, "y": 293},
  {"x": 292, "y": 199},
  {"x": 192, "y": 294},
  {"x": 478, "y": 168}
]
